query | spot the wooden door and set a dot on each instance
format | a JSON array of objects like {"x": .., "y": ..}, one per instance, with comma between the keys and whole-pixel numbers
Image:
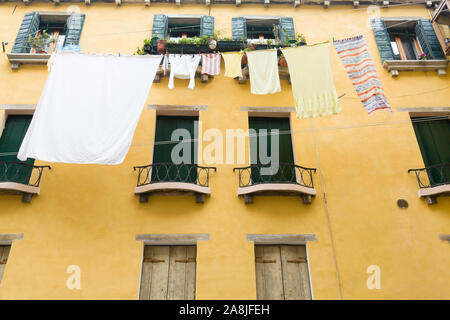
[
  {"x": 282, "y": 272},
  {"x": 168, "y": 273},
  {"x": 4, "y": 253}
]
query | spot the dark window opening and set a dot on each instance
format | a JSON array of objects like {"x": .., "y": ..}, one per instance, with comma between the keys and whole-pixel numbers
[
  {"x": 184, "y": 27},
  {"x": 258, "y": 28},
  {"x": 404, "y": 44},
  {"x": 433, "y": 137}
]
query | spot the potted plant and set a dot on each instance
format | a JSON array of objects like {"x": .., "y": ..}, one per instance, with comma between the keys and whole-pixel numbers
[
  {"x": 282, "y": 61},
  {"x": 250, "y": 47},
  {"x": 41, "y": 42}
]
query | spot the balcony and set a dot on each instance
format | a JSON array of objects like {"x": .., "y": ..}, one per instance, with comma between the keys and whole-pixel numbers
[
  {"x": 173, "y": 179},
  {"x": 290, "y": 180},
  {"x": 434, "y": 181},
  {"x": 20, "y": 178}
]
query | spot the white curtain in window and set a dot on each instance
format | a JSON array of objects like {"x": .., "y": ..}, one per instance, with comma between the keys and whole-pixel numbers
[{"x": 89, "y": 108}]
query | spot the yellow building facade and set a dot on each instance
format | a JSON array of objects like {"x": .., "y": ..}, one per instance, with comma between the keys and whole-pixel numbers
[{"x": 89, "y": 216}]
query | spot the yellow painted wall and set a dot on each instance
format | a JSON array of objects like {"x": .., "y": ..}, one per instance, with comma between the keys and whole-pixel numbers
[{"x": 87, "y": 215}]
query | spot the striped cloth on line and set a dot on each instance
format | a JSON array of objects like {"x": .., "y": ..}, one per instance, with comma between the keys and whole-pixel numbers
[
  {"x": 361, "y": 70},
  {"x": 211, "y": 64}
]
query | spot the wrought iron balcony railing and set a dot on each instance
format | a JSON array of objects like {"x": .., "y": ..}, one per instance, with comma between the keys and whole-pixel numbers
[
  {"x": 287, "y": 173},
  {"x": 432, "y": 176},
  {"x": 22, "y": 173},
  {"x": 170, "y": 172}
]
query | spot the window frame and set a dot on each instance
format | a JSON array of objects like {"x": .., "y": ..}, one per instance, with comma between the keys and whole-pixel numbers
[{"x": 444, "y": 5}]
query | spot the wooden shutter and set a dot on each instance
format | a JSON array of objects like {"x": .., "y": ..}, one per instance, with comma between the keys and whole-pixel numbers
[
  {"x": 168, "y": 272},
  {"x": 4, "y": 253},
  {"x": 74, "y": 27},
  {"x": 11, "y": 138},
  {"x": 434, "y": 140},
  {"x": 239, "y": 28},
  {"x": 29, "y": 27},
  {"x": 160, "y": 27},
  {"x": 281, "y": 273},
  {"x": 162, "y": 151},
  {"x": 206, "y": 26},
  {"x": 287, "y": 31},
  {"x": 428, "y": 39},
  {"x": 286, "y": 154},
  {"x": 382, "y": 39}
]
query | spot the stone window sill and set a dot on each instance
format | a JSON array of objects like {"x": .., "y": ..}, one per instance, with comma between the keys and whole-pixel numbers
[
  {"x": 17, "y": 59},
  {"x": 394, "y": 66}
]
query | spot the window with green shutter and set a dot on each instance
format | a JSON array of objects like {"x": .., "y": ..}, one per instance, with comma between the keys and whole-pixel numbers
[
  {"x": 286, "y": 172},
  {"x": 270, "y": 28},
  {"x": 182, "y": 26},
  {"x": 11, "y": 138},
  {"x": 399, "y": 39},
  {"x": 64, "y": 28},
  {"x": 163, "y": 168},
  {"x": 433, "y": 136}
]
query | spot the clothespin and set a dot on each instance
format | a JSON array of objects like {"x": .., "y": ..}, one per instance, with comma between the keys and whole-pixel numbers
[
  {"x": 119, "y": 54},
  {"x": 333, "y": 39}
]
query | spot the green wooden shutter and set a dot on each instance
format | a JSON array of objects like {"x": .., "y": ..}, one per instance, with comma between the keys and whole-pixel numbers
[
  {"x": 11, "y": 138},
  {"x": 206, "y": 26},
  {"x": 382, "y": 39},
  {"x": 433, "y": 137},
  {"x": 239, "y": 28},
  {"x": 162, "y": 151},
  {"x": 428, "y": 39},
  {"x": 29, "y": 27},
  {"x": 286, "y": 155},
  {"x": 287, "y": 31},
  {"x": 160, "y": 26},
  {"x": 74, "y": 27}
]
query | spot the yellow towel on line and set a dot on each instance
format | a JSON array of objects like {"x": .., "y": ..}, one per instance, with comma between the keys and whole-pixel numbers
[
  {"x": 263, "y": 71},
  {"x": 312, "y": 81},
  {"x": 233, "y": 67}
]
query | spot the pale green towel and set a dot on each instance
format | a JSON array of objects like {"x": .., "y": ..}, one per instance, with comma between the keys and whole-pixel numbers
[{"x": 311, "y": 79}]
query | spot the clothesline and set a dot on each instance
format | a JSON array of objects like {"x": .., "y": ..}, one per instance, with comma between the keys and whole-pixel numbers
[
  {"x": 381, "y": 123},
  {"x": 253, "y": 20}
]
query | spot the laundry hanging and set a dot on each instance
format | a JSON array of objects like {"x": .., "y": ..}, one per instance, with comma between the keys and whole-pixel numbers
[
  {"x": 361, "y": 70},
  {"x": 233, "y": 66},
  {"x": 89, "y": 108},
  {"x": 263, "y": 71},
  {"x": 311, "y": 79},
  {"x": 211, "y": 64},
  {"x": 183, "y": 66}
]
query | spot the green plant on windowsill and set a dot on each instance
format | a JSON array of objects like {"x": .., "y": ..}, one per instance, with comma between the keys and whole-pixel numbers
[
  {"x": 41, "y": 42},
  {"x": 145, "y": 47}
]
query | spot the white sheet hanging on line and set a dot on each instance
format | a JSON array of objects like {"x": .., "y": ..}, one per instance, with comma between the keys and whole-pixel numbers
[
  {"x": 89, "y": 108},
  {"x": 183, "y": 66}
]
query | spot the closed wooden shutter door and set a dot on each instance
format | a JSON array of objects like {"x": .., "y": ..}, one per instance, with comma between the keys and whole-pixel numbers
[
  {"x": 206, "y": 26},
  {"x": 4, "y": 253},
  {"x": 286, "y": 154},
  {"x": 29, "y": 27},
  {"x": 168, "y": 273},
  {"x": 162, "y": 151},
  {"x": 160, "y": 27},
  {"x": 433, "y": 137},
  {"x": 16, "y": 127},
  {"x": 281, "y": 273},
  {"x": 428, "y": 39},
  {"x": 74, "y": 27},
  {"x": 239, "y": 29},
  {"x": 287, "y": 31},
  {"x": 382, "y": 39}
]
